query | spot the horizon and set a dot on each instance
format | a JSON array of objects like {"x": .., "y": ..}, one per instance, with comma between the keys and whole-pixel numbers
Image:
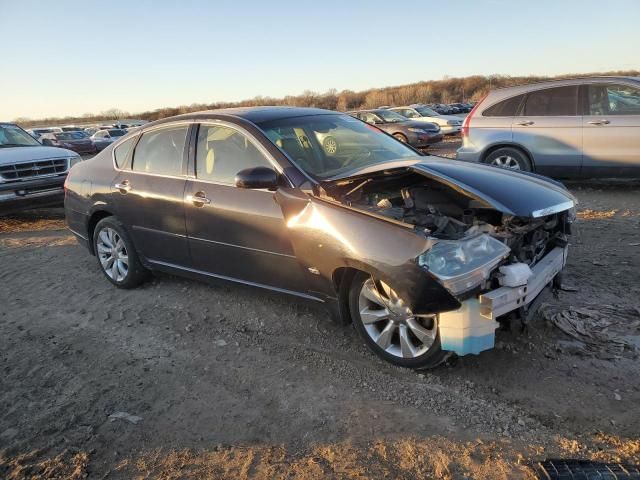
[{"x": 190, "y": 53}]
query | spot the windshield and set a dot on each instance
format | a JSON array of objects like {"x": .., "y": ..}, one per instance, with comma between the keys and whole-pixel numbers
[
  {"x": 14, "y": 136},
  {"x": 326, "y": 146},
  {"x": 427, "y": 112},
  {"x": 69, "y": 136},
  {"x": 391, "y": 117},
  {"x": 116, "y": 133}
]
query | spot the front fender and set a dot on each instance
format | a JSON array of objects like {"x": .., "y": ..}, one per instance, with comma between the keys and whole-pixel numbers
[{"x": 326, "y": 237}]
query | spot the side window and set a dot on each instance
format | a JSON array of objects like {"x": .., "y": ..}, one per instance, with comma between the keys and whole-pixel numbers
[
  {"x": 505, "y": 108},
  {"x": 121, "y": 151},
  {"x": 161, "y": 151},
  {"x": 613, "y": 100},
  {"x": 552, "y": 102},
  {"x": 222, "y": 152}
]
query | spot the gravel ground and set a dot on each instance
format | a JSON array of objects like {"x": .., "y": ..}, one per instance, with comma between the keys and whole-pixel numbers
[{"x": 179, "y": 379}]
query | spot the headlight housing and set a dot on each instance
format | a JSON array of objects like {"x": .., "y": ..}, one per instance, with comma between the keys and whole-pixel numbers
[
  {"x": 464, "y": 264},
  {"x": 416, "y": 130},
  {"x": 453, "y": 122}
]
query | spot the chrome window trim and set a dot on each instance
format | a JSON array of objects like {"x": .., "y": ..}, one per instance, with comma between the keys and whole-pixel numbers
[{"x": 139, "y": 134}]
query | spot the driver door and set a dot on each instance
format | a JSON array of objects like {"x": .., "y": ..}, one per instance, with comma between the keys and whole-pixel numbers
[{"x": 236, "y": 233}]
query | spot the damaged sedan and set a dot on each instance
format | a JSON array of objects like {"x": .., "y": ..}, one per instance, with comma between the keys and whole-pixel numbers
[{"x": 425, "y": 256}]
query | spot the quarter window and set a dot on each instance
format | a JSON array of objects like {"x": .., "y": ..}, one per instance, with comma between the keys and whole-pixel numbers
[
  {"x": 505, "y": 108},
  {"x": 121, "y": 151},
  {"x": 161, "y": 151},
  {"x": 552, "y": 102},
  {"x": 613, "y": 100},
  {"x": 222, "y": 152}
]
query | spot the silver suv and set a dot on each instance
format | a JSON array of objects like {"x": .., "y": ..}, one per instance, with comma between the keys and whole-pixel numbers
[{"x": 586, "y": 127}]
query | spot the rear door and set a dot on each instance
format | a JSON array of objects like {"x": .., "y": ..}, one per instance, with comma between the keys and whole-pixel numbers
[
  {"x": 611, "y": 129},
  {"x": 236, "y": 233},
  {"x": 550, "y": 128},
  {"x": 148, "y": 194}
]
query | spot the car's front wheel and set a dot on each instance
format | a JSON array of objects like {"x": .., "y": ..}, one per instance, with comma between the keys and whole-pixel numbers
[
  {"x": 389, "y": 327},
  {"x": 116, "y": 254}
]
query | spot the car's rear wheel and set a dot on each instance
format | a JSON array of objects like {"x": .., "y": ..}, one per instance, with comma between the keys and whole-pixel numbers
[
  {"x": 390, "y": 329},
  {"x": 508, "y": 157},
  {"x": 401, "y": 137},
  {"x": 116, "y": 254}
]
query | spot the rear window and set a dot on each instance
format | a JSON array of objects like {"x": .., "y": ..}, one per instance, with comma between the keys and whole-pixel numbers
[
  {"x": 552, "y": 102},
  {"x": 505, "y": 108},
  {"x": 117, "y": 133},
  {"x": 69, "y": 136},
  {"x": 161, "y": 151}
]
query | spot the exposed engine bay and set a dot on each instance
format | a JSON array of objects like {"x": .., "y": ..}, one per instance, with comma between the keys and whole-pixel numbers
[{"x": 442, "y": 212}]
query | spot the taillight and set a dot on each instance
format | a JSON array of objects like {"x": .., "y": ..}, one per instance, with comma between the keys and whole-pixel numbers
[{"x": 467, "y": 120}]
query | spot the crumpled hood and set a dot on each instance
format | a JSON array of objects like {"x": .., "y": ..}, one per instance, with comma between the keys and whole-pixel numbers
[
  {"x": 512, "y": 192},
  {"x": 10, "y": 155},
  {"x": 508, "y": 191}
]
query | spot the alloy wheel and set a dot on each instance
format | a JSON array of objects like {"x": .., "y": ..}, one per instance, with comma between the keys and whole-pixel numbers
[
  {"x": 112, "y": 253},
  {"x": 391, "y": 324},
  {"x": 506, "y": 161}
]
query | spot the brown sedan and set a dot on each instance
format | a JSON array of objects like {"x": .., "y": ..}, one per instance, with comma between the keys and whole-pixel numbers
[{"x": 422, "y": 254}]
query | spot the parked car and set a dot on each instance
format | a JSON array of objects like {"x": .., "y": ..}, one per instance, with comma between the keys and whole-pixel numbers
[
  {"x": 103, "y": 138},
  {"x": 416, "y": 134},
  {"x": 584, "y": 127},
  {"x": 79, "y": 142},
  {"x": 406, "y": 247},
  {"x": 31, "y": 175},
  {"x": 449, "y": 125},
  {"x": 72, "y": 128},
  {"x": 38, "y": 132},
  {"x": 461, "y": 107}
]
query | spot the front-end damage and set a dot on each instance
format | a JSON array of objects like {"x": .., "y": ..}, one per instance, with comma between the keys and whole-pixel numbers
[{"x": 489, "y": 258}]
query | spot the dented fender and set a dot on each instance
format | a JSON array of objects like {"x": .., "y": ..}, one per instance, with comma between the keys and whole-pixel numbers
[{"x": 327, "y": 236}]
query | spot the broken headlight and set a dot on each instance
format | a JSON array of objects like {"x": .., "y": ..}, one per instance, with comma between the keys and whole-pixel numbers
[{"x": 464, "y": 264}]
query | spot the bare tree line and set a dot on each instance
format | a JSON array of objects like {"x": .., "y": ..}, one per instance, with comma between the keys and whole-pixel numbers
[{"x": 447, "y": 90}]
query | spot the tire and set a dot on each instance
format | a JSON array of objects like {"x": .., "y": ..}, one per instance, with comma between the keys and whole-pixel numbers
[
  {"x": 427, "y": 354},
  {"x": 508, "y": 157},
  {"x": 126, "y": 271},
  {"x": 401, "y": 137}
]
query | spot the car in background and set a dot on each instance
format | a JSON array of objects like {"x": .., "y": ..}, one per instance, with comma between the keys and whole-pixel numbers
[
  {"x": 409, "y": 248},
  {"x": 38, "y": 132},
  {"x": 582, "y": 127},
  {"x": 416, "y": 134},
  {"x": 449, "y": 124},
  {"x": 440, "y": 108},
  {"x": 461, "y": 107},
  {"x": 72, "y": 128},
  {"x": 79, "y": 142},
  {"x": 103, "y": 138},
  {"x": 31, "y": 175}
]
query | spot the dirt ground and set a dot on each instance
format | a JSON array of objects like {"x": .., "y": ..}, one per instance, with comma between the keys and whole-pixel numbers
[{"x": 179, "y": 379}]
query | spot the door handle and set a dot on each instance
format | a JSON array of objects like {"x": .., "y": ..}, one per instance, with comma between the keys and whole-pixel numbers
[
  {"x": 124, "y": 187},
  {"x": 200, "y": 199},
  {"x": 599, "y": 122},
  {"x": 525, "y": 123}
]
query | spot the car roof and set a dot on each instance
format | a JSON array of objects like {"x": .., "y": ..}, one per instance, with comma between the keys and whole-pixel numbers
[{"x": 503, "y": 93}]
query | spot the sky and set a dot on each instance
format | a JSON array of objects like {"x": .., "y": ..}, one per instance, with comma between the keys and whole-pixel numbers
[{"x": 68, "y": 57}]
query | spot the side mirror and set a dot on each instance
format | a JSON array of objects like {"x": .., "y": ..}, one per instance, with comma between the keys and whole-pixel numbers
[{"x": 257, "y": 177}]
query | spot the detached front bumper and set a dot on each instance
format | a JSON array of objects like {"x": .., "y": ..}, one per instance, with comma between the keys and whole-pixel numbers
[
  {"x": 506, "y": 299},
  {"x": 471, "y": 328}
]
